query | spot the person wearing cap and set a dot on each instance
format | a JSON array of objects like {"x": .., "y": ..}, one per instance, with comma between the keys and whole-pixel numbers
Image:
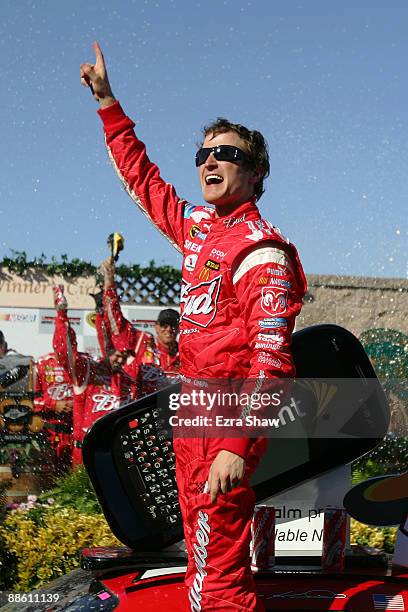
[
  {"x": 166, "y": 328},
  {"x": 98, "y": 386}
]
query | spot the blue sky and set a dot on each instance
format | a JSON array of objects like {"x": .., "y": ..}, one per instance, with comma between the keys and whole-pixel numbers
[{"x": 325, "y": 81}]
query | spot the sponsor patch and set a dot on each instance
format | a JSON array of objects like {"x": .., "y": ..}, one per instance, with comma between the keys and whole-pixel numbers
[
  {"x": 267, "y": 346},
  {"x": 188, "y": 209},
  {"x": 263, "y": 280},
  {"x": 199, "y": 215},
  {"x": 273, "y": 323},
  {"x": 233, "y": 221},
  {"x": 271, "y": 337},
  {"x": 217, "y": 253},
  {"x": 204, "y": 274},
  {"x": 192, "y": 246},
  {"x": 213, "y": 265},
  {"x": 190, "y": 262},
  {"x": 200, "y": 301},
  {"x": 279, "y": 271},
  {"x": 279, "y": 282},
  {"x": 272, "y": 361},
  {"x": 274, "y": 301},
  {"x": 195, "y": 232}
]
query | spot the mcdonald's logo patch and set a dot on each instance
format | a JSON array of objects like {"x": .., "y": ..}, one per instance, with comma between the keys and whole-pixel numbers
[{"x": 204, "y": 274}]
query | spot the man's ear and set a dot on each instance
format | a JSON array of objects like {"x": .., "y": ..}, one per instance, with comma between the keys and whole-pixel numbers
[{"x": 255, "y": 177}]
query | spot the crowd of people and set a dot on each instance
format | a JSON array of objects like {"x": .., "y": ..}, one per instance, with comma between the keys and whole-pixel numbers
[{"x": 72, "y": 389}]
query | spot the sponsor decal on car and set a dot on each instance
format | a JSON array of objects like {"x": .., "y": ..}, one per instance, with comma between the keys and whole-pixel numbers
[
  {"x": 200, "y": 301},
  {"x": 311, "y": 594},
  {"x": 274, "y": 301}
]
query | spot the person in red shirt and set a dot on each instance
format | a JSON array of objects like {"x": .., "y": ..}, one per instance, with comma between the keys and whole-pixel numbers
[
  {"x": 241, "y": 291},
  {"x": 166, "y": 328},
  {"x": 143, "y": 362},
  {"x": 54, "y": 402},
  {"x": 98, "y": 386}
]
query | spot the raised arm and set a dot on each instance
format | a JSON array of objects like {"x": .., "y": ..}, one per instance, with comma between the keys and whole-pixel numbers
[
  {"x": 122, "y": 333},
  {"x": 141, "y": 178},
  {"x": 65, "y": 345}
]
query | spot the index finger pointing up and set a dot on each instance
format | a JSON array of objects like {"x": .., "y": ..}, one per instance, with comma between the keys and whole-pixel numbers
[{"x": 98, "y": 53}]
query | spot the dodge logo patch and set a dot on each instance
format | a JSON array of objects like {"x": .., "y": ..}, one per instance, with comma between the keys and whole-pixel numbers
[{"x": 274, "y": 301}]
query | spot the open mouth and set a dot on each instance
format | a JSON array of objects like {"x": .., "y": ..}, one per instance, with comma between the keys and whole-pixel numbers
[{"x": 213, "y": 179}]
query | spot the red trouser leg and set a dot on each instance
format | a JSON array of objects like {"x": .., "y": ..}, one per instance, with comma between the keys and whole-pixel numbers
[{"x": 217, "y": 534}]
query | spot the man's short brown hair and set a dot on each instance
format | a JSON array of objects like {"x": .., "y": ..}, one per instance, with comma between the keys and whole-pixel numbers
[{"x": 257, "y": 147}]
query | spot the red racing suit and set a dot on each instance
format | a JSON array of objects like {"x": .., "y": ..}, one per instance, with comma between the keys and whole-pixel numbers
[
  {"x": 96, "y": 388},
  {"x": 241, "y": 291},
  {"x": 143, "y": 364},
  {"x": 170, "y": 364},
  {"x": 54, "y": 385}
]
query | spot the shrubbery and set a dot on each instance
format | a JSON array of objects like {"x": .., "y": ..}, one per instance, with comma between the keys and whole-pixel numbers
[
  {"x": 46, "y": 540},
  {"x": 382, "y": 538},
  {"x": 41, "y": 539}
]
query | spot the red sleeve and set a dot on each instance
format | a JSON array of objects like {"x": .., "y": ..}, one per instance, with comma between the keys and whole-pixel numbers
[
  {"x": 141, "y": 178},
  {"x": 122, "y": 333},
  {"x": 66, "y": 350},
  {"x": 103, "y": 334},
  {"x": 268, "y": 290},
  {"x": 266, "y": 286}
]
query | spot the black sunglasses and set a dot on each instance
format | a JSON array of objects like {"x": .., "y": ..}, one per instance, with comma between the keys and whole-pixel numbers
[{"x": 221, "y": 153}]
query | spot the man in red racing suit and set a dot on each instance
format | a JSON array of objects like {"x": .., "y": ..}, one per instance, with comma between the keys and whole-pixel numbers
[
  {"x": 241, "y": 291},
  {"x": 98, "y": 386},
  {"x": 142, "y": 363},
  {"x": 54, "y": 402}
]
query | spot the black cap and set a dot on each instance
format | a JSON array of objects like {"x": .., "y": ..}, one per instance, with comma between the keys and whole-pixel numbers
[{"x": 169, "y": 316}]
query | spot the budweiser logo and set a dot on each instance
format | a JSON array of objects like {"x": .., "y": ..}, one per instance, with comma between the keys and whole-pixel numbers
[
  {"x": 59, "y": 392},
  {"x": 105, "y": 402},
  {"x": 199, "y": 302},
  {"x": 200, "y": 558}
]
